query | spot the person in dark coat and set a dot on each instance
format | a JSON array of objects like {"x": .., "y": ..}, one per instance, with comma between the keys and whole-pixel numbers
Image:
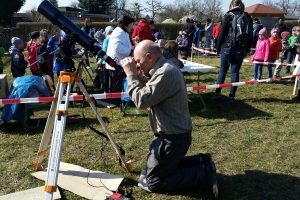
[
  {"x": 189, "y": 26},
  {"x": 18, "y": 63},
  {"x": 280, "y": 25},
  {"x": 231, "y": 54}
]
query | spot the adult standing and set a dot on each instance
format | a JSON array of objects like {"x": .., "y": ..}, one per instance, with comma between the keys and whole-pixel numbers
[
  {"x": 215, "y": 33},
  {"x": 189, "y": 26},
  {"x": 87, "y": 26},
  {"x": 232, "y": 52},
  {"x": 208, "y": 35},
  {"x": 119, "y": 47},
  {"x": 1, "y": 55},
  {"x": 280, "y": 25},
  {"x": 167, "y": 167},
  {"x": 142, "y": 31}
]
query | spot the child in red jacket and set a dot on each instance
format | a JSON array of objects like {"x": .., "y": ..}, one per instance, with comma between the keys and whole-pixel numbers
[{"x": 31, "y": 47}]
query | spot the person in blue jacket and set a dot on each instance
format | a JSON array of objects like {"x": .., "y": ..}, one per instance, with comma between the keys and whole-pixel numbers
[{"x": 18, "y": 63}]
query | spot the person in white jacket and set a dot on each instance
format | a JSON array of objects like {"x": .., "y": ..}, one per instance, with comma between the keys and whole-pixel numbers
[{"x": 119, "y": 47}]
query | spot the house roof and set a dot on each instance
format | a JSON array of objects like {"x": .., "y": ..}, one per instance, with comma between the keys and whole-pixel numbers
[
  {"x": 20, "y": 15},
  {"x": 100, "y": 16},
  {"x": 262, "y": 9},
  {"x": 169, "y": 21}
]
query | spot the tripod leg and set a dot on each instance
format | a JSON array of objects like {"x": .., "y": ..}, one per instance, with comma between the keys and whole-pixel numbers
[
  {"x": 47, "y": 132},
  {"x": 57, "y": 141},
  {"x": 90, "y": 101}
]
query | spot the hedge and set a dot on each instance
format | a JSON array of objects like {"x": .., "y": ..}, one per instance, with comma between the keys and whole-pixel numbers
[{"x": 169, "y": 31}]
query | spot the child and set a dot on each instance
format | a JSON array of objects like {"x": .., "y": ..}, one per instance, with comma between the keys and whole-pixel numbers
[
  {"x": 31, "y": 47},
  {"x": 179, "y": 38},
  {"x": 1, "y": 55},
  {"x": 99, "y": 37},
  {"x": 184, "y": 45},
  {"x": 57, "y": 65},
  {"x": 261, "y": 54},
  {"x": 283, "y": 54},
  {"x": 108, "y": 32},
  {"x": 292, "y": 50},
  {"x": 18, "y": 64},
  {"x": 275, "y": 48},
  {"x": 297, "y": 71},
  {"x": 157, "y": 36}
]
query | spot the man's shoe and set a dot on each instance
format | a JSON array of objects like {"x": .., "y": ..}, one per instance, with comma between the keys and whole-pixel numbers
[
  {"x": 210, "y": 178},
  {"x": 217, "y": 96},
  {"x": 231, "y": 100},
  {"x": 205, "y": 157}
]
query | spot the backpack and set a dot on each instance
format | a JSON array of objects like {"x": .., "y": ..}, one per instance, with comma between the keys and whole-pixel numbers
[{"x": 240, "y": 32}]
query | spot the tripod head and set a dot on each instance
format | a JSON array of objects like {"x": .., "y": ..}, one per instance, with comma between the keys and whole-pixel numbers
[{"x": 56, "y": 17}]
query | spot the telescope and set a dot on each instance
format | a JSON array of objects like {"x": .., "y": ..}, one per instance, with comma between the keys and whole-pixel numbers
[{"x": 75, "y": 34}]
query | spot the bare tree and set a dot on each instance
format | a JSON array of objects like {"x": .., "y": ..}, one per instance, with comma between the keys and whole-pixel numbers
[
  {"x": 134, "y": 10},
  {"x": 74, "y": 4},
  {"x": 213, "y": 9},
  {"x": 34, "y": 14},
  {"x": 291, "y": 7},
  {"x": 154, "y": 7}
]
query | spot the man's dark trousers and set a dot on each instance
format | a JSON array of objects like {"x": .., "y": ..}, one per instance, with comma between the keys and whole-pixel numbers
[{"x": 168, "y": 168}]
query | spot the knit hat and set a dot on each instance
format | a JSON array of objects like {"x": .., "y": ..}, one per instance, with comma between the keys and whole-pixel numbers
[
  {"x": 158, "y": 35},
  {"x": 16, "y": 41},
  {"x": 109, "y": 28},
  {"x": 63, "y": 34},
  {"x": 274, "y": 30},
  {"x": 294, "y": 28},
  {"x": 285, "y": 35},
  {"x": 99, "y": 35},
  {"x": 161, "y": 43},
  {"x": 34, "y": 34},
  {"x": 263, "y": 32},
  {"x": 185, "y": 32}
]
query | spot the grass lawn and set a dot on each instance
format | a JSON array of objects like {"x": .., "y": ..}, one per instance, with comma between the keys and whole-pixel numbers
[{"x": 254, "y": 142}]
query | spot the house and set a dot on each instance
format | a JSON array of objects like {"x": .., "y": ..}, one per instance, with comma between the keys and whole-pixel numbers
[
  {"x": 95, "y": 17},
  {"x": 17, "y": 17},
  {"x": 73, "y": 14},
  {"x": 268, "y": 16}
]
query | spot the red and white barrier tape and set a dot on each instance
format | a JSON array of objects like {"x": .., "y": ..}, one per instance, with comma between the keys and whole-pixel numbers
[
  {"x": 125, "y": 94},
  {"x": 205, "y": 51},
  {"x": 266, "y": 63}
]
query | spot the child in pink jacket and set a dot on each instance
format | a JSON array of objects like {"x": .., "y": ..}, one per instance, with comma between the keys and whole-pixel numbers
[{"x": 261, "y": 53}]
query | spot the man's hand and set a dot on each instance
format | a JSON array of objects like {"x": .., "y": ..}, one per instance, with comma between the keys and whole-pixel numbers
[{"x": 129, "y": 66}]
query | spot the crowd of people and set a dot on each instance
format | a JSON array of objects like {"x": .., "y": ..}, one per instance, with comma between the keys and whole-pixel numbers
[{"x": 155, "y": 81}]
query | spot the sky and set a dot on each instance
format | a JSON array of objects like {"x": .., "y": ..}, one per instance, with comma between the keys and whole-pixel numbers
[{"x": 35, "y": 3}]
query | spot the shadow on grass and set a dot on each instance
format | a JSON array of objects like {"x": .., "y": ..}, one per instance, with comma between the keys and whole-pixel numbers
[
  {"x": 258, "y": 185},
  {"x": 224, "y": 109},
  {"x": 253, "y": 184},
  {"x": 271, "y": 100}
]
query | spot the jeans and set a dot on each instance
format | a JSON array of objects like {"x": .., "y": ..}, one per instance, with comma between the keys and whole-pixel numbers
[
  {"x": 270, "y": 74},
  {"x": 258, "y": 70},
  {"x": 86, "y": 61},
  {"x": 169, "y": 169},
  {"x": 235, "y": 57},
  {"x": 290, "y": 57},
  {"x": 207, "y": 44}
]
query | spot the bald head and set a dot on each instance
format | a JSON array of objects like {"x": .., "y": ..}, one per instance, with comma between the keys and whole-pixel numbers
[
  {"x": 146, "y": 53},
  {"x": 147, "y": 46}
]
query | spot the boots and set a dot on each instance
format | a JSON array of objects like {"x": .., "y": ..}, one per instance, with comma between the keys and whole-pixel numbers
[
  {"x": 297, "y": 98},
  {"x": 210, "y": 178}
]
